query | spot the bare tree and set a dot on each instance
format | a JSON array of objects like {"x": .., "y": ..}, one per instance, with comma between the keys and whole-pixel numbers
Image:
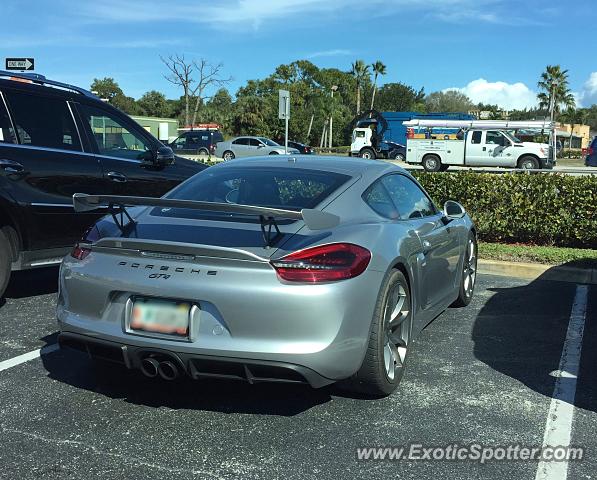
[{"x": 183, "y": 73}]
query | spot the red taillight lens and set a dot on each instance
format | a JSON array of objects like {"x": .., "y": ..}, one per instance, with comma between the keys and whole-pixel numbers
[
  {"x": 80, "y": 251},
  {"x": 326, "y": 263}
]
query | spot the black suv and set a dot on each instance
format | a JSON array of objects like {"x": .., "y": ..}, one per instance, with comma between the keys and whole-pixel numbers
[
  {"x": 57, "y": 140},
  {"x": 197, "y": 142}
]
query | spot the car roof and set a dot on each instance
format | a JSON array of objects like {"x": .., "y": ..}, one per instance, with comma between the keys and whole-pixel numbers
[{"x": 353, "y": 166}]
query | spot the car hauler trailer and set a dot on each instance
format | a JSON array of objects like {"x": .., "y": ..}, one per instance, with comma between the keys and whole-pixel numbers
[{"x": 486, "y": 143}]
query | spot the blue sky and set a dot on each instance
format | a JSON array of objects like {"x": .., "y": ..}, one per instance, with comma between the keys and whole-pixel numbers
[{"x": 494, "y": 50}]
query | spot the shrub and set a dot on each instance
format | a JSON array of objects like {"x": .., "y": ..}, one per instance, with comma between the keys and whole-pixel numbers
[{"x": 542, "y": 209}]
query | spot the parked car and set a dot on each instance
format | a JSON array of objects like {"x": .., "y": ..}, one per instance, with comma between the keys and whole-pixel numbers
[
  {"x": 56, "y": 140},
  {"x": 591, "y": 155},
  {"x": 319, "y": 270},
  {"x": 301, "y": 147},
  {"x": 197, "y": 142},
  {"x": 250, "y": 147}
]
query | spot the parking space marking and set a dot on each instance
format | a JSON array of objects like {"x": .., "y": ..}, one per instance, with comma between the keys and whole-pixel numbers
[
  {"x": 558, "y": 428},
  {"x": 13, "y": 362}
]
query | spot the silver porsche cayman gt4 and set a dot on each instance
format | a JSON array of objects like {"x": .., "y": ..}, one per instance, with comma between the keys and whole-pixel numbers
[{"x": 294, "y": 269}]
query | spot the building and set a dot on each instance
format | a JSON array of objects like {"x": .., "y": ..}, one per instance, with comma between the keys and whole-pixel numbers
[
  {"x": 574, "y": 136},
  {"x": 164, "y": 129}
]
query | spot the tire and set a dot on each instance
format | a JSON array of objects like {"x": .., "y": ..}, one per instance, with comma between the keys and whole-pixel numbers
[
  {"x": 386, "y": 355},
  {"x": 273, "y": 153},
  {"x": 398, "y": 156},
  {"x": 367, "y": 153},
  {"x": 5, "y": 263},
  {"x": 203, "y": 151},
  {"x": 432, "y": 163},
  {"x": 468, "y": 274},
  {"x": 228, "y": 155},
  {"x": 527, "y": 162}
]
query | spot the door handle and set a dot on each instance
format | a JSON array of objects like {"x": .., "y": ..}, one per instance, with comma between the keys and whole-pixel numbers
[
  {"x": 12, "y": 167},
  {"x": 426, "y": 246},
  {"x": 117, "y": 177}
]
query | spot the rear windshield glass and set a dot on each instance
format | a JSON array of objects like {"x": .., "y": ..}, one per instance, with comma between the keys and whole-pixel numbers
[{"x": 286, "y": 188}]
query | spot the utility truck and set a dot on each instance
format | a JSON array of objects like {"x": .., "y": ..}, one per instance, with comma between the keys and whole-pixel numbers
[
  {"x": 476, "y": 143},
  {"x": 382, "y": 134}
]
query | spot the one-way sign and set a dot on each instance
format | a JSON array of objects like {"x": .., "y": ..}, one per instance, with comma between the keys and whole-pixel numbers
[{"x": 20, "y": 64}]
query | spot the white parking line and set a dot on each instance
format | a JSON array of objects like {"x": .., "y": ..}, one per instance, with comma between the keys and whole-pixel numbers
[
  {"x": 558, "y": 428},
  {"x": 13, "y": 362}
]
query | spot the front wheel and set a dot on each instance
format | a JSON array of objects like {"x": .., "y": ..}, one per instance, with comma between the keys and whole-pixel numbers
[
  {"x": 367, "y": 153},
  {"x": 5, "y": 263},
  {"x": 389, "y": 340},
  {"x": 528, "y": 163},
  {"x": 469, "y": 273},
  {"x": 432, "y": 163},
  {"x": 228, "y": 155}
]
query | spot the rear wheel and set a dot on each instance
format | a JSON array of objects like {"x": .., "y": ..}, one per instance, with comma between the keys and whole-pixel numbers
[
  {"x": 203, "y": 151},
  {"x": 5, "y": 263},
  {"x": 469, "y": 273},
  {"x": 432, "y": 163},
  {"x": 398, "y": 156},
  {"x": 389, "y": 340},
  {"x": 528, "y": 163},
  {"x": 367, "y": 153},
  {"x": 228, "y": 155}
]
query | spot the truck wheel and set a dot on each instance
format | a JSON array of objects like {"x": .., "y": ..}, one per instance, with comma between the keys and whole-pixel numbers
[
  {"x": 432, "y": 163},
  {"x": 397, "y": 156},
  {"x": 367, "y": 153},
  {"x": 5, "y": 263},
  {"x": 528, "y": 163}
]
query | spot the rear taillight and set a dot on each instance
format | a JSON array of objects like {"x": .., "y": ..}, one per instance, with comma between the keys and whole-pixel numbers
[
  {"x": 325, "y": 263},
  {"x": 80, "y": 251}
]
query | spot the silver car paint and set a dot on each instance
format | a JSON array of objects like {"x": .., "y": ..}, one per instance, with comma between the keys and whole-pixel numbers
[
  {"x": 241, "y": 151},
  {"x": 245, "y": 310}
]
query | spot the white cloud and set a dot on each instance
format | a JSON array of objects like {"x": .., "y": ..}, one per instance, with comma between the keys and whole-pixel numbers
[
  {"x": 507, "y": 95},
  {"x": 329, "y": 53},
  {"x": 588, "y": 95}
]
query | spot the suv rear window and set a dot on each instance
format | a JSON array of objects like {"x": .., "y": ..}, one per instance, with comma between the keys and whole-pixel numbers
[
  {"x": 43, "y": 121},
  {"x": 290, "y": 189}
]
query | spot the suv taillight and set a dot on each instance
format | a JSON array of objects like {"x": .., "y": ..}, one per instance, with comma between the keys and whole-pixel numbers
[
  {"x": 80, "y": 251},
  {"x": 325, "y": 263}
]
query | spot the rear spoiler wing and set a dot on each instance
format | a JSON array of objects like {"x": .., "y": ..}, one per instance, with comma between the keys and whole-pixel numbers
[{"x": 314, "y": 219}]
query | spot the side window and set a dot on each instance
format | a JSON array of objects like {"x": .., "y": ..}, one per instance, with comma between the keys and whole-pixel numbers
[
  {"x": 476, "y": 137},
  {"x": 378, "y": 198},
  {"x": 241, "y": 141},
  {"x": 180, "y": 142},
  {"x": 254, "y": 142},
  {"x": 494, "y": 138},
  {"x": 7, "y": 134},
  {"x": 43, "y": 121},
  {"x": 408, "y": 197},
  {"x": 113, "y": 137}
]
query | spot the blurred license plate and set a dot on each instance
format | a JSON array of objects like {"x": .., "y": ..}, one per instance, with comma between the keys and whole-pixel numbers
[{"x": 160, "y": 316}]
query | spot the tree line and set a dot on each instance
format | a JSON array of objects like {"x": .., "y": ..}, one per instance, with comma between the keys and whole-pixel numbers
[{"x": 316, "y": 94}]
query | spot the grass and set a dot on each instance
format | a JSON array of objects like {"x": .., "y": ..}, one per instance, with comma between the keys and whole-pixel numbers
[
  {"x": 570, "y": 162},
  {"x": 581, "y": 257}
]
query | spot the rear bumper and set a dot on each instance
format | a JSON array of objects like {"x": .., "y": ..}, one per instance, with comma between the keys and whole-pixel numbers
[{"x": 195, "y": 366}]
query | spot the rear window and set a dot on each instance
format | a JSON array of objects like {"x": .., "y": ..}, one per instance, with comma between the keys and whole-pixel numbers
[{"x": 286, "y": 188}]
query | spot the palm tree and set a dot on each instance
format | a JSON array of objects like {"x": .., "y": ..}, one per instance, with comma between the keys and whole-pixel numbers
[
  {"x": 573, "y": 117},
  {"x": 554, "y": 86},
  {"x": 378, "y": 69},
  {"x": 359, "y": 71}
]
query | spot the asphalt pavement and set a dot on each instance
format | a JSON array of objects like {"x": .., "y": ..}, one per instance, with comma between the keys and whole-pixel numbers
[{"x": 483, "y": 374}]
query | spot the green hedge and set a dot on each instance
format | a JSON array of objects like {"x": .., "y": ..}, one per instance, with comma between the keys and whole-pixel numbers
[{"x": 541, "y": 209}]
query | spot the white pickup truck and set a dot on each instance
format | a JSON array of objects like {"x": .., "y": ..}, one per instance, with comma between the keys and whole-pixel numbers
[{"x": 477, "y": 148}]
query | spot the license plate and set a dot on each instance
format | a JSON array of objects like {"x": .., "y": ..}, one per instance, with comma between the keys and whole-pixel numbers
[{"x": 160, "y": 316}]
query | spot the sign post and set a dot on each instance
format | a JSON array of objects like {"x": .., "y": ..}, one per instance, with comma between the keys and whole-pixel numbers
[
  {"x": 284, "y": 113},
  {"x": 20, "y": 64}
]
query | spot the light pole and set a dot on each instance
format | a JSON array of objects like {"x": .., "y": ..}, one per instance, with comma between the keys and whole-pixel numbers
[
  {"x": 552, "y": 107},
  {"x": 334, "y": 88}
]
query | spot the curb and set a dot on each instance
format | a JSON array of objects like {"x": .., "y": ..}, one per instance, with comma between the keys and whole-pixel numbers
[{"x": 533, "y": 271}]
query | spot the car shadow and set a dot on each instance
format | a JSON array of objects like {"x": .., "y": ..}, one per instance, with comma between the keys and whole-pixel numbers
[
  {"x": 224, "y": 396},
  {"x": 31, "y": 283},
  {"x": 520, "y": 332}
]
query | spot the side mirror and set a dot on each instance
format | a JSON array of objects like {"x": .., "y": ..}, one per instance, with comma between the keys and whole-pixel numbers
[
  {"x": 163, "y": 156},
  {"x": 453, "y": 210},
  {"x": 261, "y": 145}
]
